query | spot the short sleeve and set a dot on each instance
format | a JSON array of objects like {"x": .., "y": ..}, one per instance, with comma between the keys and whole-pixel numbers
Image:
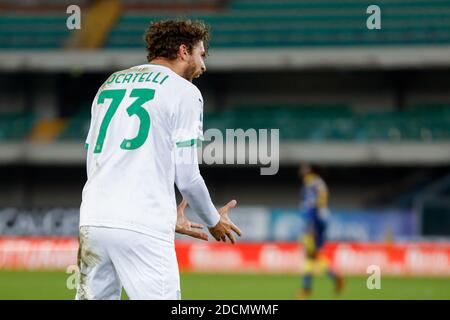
[{"x": 188, "y": 119}]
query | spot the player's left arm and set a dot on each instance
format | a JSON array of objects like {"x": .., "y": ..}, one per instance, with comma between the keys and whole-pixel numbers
[{"x": 188, "y": 129}]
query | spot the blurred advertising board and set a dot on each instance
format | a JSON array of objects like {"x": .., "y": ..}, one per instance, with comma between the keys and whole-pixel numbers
[
  {"x": 38, "y": 253},
  {"x": 425, "y": 259},
  {"x": 417, "y": 259}
]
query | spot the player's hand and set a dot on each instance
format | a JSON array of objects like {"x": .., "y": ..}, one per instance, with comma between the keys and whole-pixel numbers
[
  {"x": 184, "y": 226},
  {"x": 225, "y": 227}
]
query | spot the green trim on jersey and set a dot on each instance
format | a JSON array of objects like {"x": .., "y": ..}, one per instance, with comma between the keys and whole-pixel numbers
[
  {"x": 86, "y": 146},
  {"x": 186, "y": 143}
]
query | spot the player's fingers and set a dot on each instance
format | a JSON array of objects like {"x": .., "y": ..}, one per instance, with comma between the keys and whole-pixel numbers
[
  {"x": 224, "y": 210},
  {"x": 202, "y": 236},
  {"x": 231, "y": 237},
  {"x": 235, "y": 229},
  {"x": 196, "y": 225},
  {"x": 197, "y": 234},
  {"x": 231, "y": 204},
  {"x": 214, "y": 234}
]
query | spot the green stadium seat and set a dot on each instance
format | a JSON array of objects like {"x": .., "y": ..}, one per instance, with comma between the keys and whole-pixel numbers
[
  {"x": 251, "y": 23},
  {"x": 33, "y": 31},
  {"x": 315, "y": 123},
  {"x": 15, "y": 126}
]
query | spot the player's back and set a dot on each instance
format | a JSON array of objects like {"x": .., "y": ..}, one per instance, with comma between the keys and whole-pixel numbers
[{"x": 130, "y": 163}]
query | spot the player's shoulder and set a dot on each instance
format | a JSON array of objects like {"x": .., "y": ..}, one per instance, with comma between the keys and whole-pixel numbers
[
  {"x": 187, "y": 92},
  {"x": 115, "y": 73},
  {"x": 193, "y": 91},
  {"x": 175, "y": 83},
  {"x": 320, "y": 182},
  {"x": 183, "y": 85},
  {"x": 186, "y": 87},
  {"x": 314, "y": 180},
  {"x": 110, "y": 79}
]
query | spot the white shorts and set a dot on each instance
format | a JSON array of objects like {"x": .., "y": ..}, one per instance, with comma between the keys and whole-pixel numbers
[{"x": 109, "y": 258}]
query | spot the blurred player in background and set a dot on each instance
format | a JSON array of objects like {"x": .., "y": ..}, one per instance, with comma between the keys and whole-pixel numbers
[
  {"x": 314, "y": 204},
  {"x": 145, "y": 124}
]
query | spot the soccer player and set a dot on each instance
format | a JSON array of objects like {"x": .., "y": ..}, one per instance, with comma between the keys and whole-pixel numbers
[
  {"x": 145, "y": 124},
  {"x": 314, "y": 204}
]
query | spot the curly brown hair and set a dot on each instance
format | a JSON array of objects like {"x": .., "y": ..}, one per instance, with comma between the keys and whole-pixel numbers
[{"x": 163, "y": 38}]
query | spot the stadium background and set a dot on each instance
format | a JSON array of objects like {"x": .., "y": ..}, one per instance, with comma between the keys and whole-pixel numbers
[{"x": 370, "y": 108}]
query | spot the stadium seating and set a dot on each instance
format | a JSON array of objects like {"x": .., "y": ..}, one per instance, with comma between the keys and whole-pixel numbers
[
  {"x": 311, "y": 123},
  {"x": 274, "y": 23},
  {"x": 340, "y": 123},
  {"x": 77, "y": 126},
  {"x": 319, "y": 123},
  {"x": 251, "y": 23},
  {"x": 15, "y": 126},
  {"x": 33, "y": 31}
]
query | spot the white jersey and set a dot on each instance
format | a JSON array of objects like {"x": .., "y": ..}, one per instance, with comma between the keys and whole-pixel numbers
[{"x": 139, "y": 116}]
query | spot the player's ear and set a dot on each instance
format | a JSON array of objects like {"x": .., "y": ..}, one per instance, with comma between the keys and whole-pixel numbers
[{"x": 183, "y": 51}]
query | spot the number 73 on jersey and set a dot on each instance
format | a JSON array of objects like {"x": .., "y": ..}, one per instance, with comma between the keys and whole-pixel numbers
[{"x": 117, "y": 96}]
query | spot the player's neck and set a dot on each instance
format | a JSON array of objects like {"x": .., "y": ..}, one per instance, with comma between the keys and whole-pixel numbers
[{"x": 172, "y": 65}]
